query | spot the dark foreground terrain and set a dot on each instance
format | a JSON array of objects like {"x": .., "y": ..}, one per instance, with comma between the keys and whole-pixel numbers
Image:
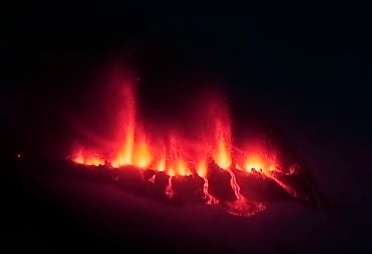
[{"x": 54, "y": 212}]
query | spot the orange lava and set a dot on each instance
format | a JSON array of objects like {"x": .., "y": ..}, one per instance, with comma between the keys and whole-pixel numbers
[
  {"x": 202, "y": 170},
  {"x": 87, "y": 158},
  {"x": 174, "y": 152},
  {"x": 255, "y": 162}
]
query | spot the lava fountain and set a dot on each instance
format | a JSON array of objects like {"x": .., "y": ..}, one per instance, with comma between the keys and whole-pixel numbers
[{"x": 184, "y": 156}]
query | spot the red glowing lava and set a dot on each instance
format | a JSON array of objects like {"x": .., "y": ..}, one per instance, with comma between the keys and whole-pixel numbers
[
  {"x": 87, "y": 158},
  {"x": 179, "y": 154}
]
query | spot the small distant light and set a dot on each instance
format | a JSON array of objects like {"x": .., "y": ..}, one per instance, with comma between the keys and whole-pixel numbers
[{"x": 19, "y": 156}]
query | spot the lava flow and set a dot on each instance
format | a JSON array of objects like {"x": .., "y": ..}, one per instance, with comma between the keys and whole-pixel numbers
[{"x": 180, "y": 154}]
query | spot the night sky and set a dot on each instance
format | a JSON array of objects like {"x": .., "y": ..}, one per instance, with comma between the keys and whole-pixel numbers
[
  {"x": 309, "y": 59},
  {"x": 302, "y": 67},
  {"x": 305, "y": 61}
]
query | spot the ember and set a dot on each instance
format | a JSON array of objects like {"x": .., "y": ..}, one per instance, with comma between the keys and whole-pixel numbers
[{"x": 176, "y": 162}]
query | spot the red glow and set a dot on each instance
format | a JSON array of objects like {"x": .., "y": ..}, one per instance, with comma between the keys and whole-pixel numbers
[
  {"x": 169, "y": 189},
  {"x": 86, "y": 158},
  {"x": 235, "y": 185},
  {"x": 254, "y": 161},
  {"x": 175, "y": 153}
]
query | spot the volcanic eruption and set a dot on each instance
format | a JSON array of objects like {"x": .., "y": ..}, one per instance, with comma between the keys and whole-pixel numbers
[{"x": 191, "y": 163}]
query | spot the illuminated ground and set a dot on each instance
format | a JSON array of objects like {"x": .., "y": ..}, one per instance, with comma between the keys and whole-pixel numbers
[
  {"x": 99, "y": 215},
  {"x": 45, "y": 212},
  {"x": 61, "y": 213}
]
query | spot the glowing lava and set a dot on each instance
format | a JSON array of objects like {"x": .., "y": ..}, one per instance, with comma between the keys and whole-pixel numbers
[
  {"x": 169, "y": 189},
  {"x": 178, "y": 155},
  {"x": 87, "y": 158},
  {"x": 202, "y": 170},
  {"x": 254, "y": 162}
]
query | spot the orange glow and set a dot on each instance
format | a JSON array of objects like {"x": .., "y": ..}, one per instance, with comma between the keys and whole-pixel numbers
[
  {"x": 201, "y": 168},
  {"x": 160, "y": 166},
  {"x": 174, "y": 162},
  {"x": 141, "y": 155},
  {"x": 222, "y": 151},
  {"x": 176, "y": 152},
  {"x": 254, "y": 162},
  {"x": 81, "y": 157},
  {"x": 181, "y": 168},
  {"x": 222, "y": 155},
  {"x": 127, "y": 126}
]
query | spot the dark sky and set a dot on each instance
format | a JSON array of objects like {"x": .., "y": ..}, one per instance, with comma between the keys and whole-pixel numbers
[{"x": 303, "y": 61}]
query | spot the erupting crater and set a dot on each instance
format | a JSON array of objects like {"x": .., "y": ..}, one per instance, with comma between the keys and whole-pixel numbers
[{"x": 200, "y": 164}]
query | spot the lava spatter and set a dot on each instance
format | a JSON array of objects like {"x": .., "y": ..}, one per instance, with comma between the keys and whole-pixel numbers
[{"x": 176, "y": 155}]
